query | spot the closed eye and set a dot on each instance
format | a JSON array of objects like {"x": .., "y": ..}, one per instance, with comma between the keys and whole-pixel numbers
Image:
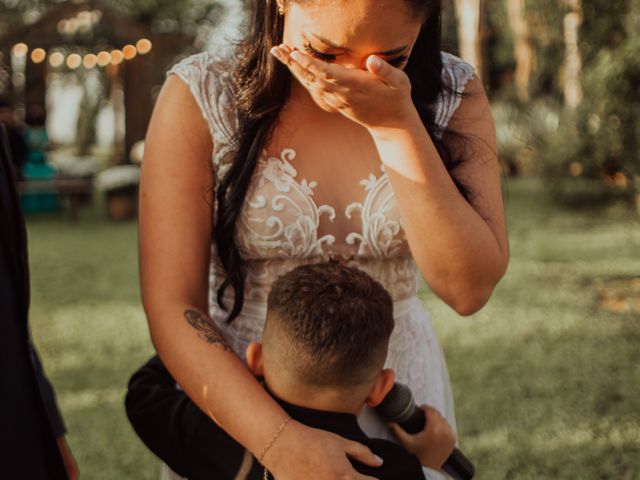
[{"x": 328, "y": 57}]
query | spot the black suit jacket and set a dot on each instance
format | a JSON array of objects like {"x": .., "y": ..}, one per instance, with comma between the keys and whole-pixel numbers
[
  {"x": 185, "y": 438},
  {"x": 29, "y": 448}
]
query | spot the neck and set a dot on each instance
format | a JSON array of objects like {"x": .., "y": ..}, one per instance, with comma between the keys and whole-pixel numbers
[{"x": 317, "y": 398}]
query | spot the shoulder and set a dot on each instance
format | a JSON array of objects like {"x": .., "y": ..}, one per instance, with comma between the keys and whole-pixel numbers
[
  {"x": 455, "y": 71},
  {"x": 209, "y": 78}
]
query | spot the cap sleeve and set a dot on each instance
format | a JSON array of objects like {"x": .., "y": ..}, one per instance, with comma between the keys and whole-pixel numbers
[
  {"x": 455, "y": 75},
  {"x": 210, "y": 83}
]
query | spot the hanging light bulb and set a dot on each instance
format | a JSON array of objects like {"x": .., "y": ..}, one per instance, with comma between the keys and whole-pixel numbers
[
  {"x": 74, "y": 61},
  {"x": 104, "y": 59},
  {"x": 129, "y": 52},
  {"x": 20, "y": 49},
  {"x": 144, "y": 46},
  {"x": 116, "y": 57},
  {"x": 56, "y": 59},
  {"x": 38, "y": 55},
  {"x": 89, "y": 60}
]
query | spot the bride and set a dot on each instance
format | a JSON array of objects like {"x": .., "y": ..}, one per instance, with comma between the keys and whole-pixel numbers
[{"x": 337, "y": 129}]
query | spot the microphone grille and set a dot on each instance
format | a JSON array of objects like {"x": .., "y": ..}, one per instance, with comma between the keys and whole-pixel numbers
[{"x": 397, "y": 404}]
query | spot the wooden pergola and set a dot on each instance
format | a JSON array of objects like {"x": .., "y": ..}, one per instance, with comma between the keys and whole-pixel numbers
[{"x": 137, "y": 77}]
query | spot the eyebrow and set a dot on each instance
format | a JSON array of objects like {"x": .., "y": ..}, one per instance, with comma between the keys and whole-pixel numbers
[{"x": 386, "y": 53}]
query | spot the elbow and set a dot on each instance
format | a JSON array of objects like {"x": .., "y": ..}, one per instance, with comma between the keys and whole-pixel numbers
[
  {"x": 471, "y": 299},
  {"x": 470, "y": 304}
]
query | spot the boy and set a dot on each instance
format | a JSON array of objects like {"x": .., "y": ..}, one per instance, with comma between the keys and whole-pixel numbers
[{"x": 323, "y": 349}]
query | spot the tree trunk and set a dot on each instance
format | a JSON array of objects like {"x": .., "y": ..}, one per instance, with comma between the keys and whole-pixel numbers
[
  {"x": 573, "y": 60},
  {"x": 522, "y": 47},
  {"x": 469, "y": 15}
]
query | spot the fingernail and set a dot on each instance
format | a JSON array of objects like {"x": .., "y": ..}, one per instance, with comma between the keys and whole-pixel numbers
[
  {"x": 276, "y": 53},
  {"x": 375, "y": 62},
  {"x": 378, "y": 459},
  {"x": 295, "y": 55}
]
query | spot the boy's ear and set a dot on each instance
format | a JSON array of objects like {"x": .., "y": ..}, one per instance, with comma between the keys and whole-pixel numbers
[
  {"x": 384, "y": 383},
  {"x": 254, "y": 359}
]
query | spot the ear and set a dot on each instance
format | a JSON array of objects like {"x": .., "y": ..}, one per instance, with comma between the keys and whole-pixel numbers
[
  {"x": 254, "y": 359},
  {"x": 384, "y": 383}
]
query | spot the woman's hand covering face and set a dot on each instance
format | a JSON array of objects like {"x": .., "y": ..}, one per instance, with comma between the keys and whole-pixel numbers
[{"x": 379, "y": 96}]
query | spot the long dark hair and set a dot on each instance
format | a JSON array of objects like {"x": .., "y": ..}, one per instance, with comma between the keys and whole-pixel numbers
[{"x": 262, "y": 87}]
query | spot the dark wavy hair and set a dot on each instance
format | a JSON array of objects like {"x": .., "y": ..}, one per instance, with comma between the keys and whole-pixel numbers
[{"x": 262, "y": 87}]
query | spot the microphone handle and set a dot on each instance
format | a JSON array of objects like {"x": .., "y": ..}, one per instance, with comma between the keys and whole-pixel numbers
[{"x": 457, "y": 466}]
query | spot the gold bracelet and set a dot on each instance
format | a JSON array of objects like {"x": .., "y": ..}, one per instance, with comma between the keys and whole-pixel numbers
[{"x": 275, "y": 437}]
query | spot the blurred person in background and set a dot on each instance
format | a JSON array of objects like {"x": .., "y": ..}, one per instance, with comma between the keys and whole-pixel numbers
[
  {"x": 17, "y": 145},
  {"x": 35, "y": 166},
  {"x": 32, "y": 431}
]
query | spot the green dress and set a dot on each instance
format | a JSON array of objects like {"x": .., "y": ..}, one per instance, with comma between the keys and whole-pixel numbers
[{"x": 36, "y": 167}]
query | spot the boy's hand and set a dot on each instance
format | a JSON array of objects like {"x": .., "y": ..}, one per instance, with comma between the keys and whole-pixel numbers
[{"x": 434, "y": 444}]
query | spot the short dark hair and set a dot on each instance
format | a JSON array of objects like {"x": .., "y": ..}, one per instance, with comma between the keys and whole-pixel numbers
[{"x": 334, "y": 322}]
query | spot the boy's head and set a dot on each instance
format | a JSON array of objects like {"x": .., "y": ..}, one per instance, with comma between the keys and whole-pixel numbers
[{"x": 325, "y": 339}]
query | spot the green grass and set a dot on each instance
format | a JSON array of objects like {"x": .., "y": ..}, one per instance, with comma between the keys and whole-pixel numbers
[{"x": 547, "y": 384}]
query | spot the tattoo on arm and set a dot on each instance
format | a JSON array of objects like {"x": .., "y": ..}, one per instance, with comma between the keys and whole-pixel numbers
[{"x": 207, "y": 330}]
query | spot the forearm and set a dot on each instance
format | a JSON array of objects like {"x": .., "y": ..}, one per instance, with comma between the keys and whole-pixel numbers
[
  {"x": 459, "y": 255},
  {"x": 214, "y": 377}
]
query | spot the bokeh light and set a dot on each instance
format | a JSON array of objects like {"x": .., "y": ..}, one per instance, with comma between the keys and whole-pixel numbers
[
  {"x": 74, "y": 61},
  {"x": 144, "y": 46},
  {"x": 104, "y": 58},
  {"x": 90, "y": 60},
  {"x": 20, "y": 49},
  {"x": 38, "y": 55},
  {"x": 129, "y": 52},
  {"x": 116, "y": 57},
  {"x": 56, "y": 59}
]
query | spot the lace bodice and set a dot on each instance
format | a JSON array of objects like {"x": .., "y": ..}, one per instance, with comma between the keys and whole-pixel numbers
[{"x": 291, "y": 217}]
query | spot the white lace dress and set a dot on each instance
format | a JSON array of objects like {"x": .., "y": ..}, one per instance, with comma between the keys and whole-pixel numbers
[{"x": 279, "y": 228}]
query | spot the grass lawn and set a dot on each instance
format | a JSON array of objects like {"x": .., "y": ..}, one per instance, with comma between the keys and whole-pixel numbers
[{"x": 546, "y": 377}]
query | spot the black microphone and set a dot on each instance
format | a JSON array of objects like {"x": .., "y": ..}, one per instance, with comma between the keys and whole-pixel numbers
[{"x": 399, "y": 407}]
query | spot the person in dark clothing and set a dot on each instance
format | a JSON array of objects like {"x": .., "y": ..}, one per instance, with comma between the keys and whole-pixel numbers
[
  {"x": 17, "y": 144},
  {"x": 324, "y": 345},
  {"x": 32, "y": 433}
]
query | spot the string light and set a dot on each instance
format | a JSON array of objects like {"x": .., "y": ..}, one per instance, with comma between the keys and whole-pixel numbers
[
  {"x": 129, "y": 52},
  {"x": 20, "y": 49},
  {"x": 116, "y": 57},
  {"x": 90, "y": 60},
  {"x": 56, "y": 59},
  {"x": 104, "y": 59},
  {"x": 38, "y": 55},
  {"x": 144, "y": 46},
  {"x": 74, "y": 61}
]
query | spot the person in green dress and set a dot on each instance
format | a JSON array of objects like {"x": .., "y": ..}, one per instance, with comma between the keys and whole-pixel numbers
[{"x": 35, "y": 166}]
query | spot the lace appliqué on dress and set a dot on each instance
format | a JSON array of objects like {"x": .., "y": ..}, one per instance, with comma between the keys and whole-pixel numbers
[
  {"x": 280, "y": 217},
  {"x": 382, "y": 234}
]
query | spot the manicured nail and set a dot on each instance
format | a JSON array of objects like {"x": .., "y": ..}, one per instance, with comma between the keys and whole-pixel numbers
[
  {"x": 378, "y": 459},
  {"x": 375, "y": 62},
  {"x": 295, "y": 55},
  {"x": 276, "y": 53}
]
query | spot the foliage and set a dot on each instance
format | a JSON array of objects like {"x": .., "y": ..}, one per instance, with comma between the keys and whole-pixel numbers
[{"x": 187, "y": 16}]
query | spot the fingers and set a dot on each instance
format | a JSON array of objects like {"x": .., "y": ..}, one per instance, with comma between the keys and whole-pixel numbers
[
  {"x": 308, "y": 70},
  {"x": 359, "y": 452},
  {"x": 439, "y": 427},
  {"x": 319, "y": 69},
  {"x": 386, "y": 72},
  {"x": 402, "y": 436}
]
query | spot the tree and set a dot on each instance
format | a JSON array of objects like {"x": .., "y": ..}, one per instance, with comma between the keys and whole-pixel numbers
[
  {"x": 522, "y": 47},
  {"x": 470, "y": 20}
]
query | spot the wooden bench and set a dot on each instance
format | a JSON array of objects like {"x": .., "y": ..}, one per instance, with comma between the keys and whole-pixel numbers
[{"x": 72, "y": 188}]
